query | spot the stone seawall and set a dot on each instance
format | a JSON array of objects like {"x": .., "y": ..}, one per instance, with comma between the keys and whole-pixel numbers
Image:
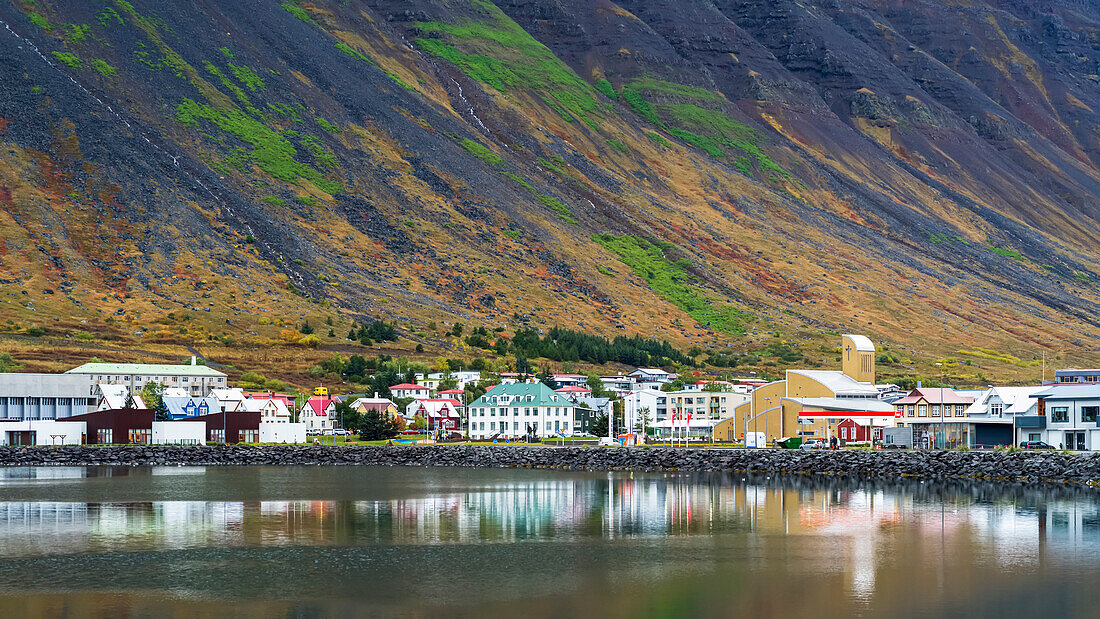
[{"x": 976, "y": 465}]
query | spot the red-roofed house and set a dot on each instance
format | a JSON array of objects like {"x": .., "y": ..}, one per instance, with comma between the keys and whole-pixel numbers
[
  {"x": 573, "y": 391},
  {"x": 409, "y": 390},
  {"x": 318, "y": 414},
  {"x": 454, "y": 394},
  {"x": 440, "y": 412},
  {"x": 927, "y": 402}
]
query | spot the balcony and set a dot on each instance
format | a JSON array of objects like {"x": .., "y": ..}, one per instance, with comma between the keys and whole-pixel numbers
[{"x": 1031, "y": 422}]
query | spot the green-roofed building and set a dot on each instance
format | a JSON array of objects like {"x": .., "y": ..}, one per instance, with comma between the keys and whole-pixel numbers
[
  {"x": 514, "y": 410},
  {"x": 198, "y": 380}
]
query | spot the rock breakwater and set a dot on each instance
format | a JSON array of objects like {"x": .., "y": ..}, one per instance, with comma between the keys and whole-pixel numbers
[{"x": 975, "y": 465}]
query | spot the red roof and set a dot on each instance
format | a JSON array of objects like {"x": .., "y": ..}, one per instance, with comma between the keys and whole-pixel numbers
[
  {"x": 452, "y": 401},
  {"x": 450, "y": 391},
  {"x": 408, "y": 386},
  {"x": 573, "y": 388},
  {"x": 932, "y": 395},
  {"x": 319, "y": 405}
]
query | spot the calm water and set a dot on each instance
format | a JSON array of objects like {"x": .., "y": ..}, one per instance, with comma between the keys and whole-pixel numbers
[{"x": 345, "y": 541}]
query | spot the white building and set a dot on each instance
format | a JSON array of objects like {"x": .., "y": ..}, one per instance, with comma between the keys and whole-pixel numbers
[
  {"x": 179, "y": 433},
  {"x": 198, "y": 380},
  {"x": 410, "y": 390},
  {"x": 439, "y": 412},
  {"x": 114, "y": 397},
  {"x": 41, "y": 432},
  {"x": 230, "y": 400},
  {"x": 318, "y": 415},
  {"x": 271, "y": 432},
  {"x": 510, "y": 410},
  {"x": 272, "y": 410}
]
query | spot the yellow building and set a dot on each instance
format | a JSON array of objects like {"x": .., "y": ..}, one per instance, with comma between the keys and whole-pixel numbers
[{"x": 774, "y": 409}]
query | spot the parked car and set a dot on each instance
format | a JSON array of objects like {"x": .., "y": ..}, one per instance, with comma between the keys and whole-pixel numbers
[
  {"x": 411, "y": 432},
  {"x": 814, "y": 443},
  {"x": 341, "y": 432},
  {"x": 1035, "y": 445}
]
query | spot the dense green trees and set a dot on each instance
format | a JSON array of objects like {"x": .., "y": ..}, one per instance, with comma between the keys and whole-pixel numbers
[{"x": 568, "y": 345}]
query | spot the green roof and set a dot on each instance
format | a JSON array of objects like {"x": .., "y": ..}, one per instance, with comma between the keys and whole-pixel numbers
[
  {"x": 145, "y": 368},
  {"x": 544, "y": 396}
]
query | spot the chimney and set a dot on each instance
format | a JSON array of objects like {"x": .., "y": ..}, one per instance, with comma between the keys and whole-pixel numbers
[{"x": 193, "y": 360}]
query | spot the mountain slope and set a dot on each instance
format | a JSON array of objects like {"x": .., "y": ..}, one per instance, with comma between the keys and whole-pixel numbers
[{"x": 708, "y": 172}]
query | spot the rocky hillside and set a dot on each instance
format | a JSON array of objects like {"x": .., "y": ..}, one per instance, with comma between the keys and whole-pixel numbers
[{"x": 708, "y": 171}]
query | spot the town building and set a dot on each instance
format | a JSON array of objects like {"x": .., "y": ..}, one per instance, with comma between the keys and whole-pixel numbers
[
  {"x": 463, "y": 378},
  {"x": 1066, "y": 415},
  {"x": 645, "y": 407},
  {"x": 620, "y": 384},
  {"x": 198, "y": 380},
  {"x": 437, "y": 412},
  {"x": 382, "y": 406},
  {"x": 512, "y": 410},
  {"x": 319, "y": 415},
  {"x": 117, "y": 427},
  {"x": 181, "y": 408},
  {"x": 16, "y": 432},
  {"x": 1075, "y": 375},
  {"x": 570, "y": 380},
  {"x": 574, "y": 391},
  {"x": 33, "y": 397},
  {"x": 178, "y": 433},
  {"x": 231, "y": 428},
  {"x": 113, "y": 397},
  {"x": 651, "y": 375},
  {"x": 774, "y": 409},
  {"x": 271, "y": 410},
  {"x": 230, "y": 399},
  {"x": 937, "y": 416},
  {"x": 410, "y": 390}
]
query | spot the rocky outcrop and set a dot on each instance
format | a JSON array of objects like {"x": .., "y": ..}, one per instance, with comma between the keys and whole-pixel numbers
[{"x": 990, "y": 466}]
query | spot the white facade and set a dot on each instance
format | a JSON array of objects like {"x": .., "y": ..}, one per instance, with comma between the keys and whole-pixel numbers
[
  {"x": 650, "y": 401},
  {"x": 229, "y": 400},
  {"x": 508, "y": 410},
  {"x": 271, "y": 432},
  {"x": 179, "y": 433},
  {"x": 198, "y": 380},
  {"x": 42, "y": 432}
]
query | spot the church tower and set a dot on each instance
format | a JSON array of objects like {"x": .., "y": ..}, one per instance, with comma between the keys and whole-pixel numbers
[{"x": 858, "y": 358}]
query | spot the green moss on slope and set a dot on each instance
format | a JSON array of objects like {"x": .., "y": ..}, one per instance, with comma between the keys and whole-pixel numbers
[
  {"x": 499, "y": 53},
  {"x": 672, "y": 282},
  {"x": 272, "y": 152}
]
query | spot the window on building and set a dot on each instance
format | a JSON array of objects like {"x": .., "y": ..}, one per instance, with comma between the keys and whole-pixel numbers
[
  {"x": 935, "y": 410},
  {"x": 547, "y": 425},
  {"x": 912, "y": 410},
  {"x": 1060, "y": 413},
  {"x": 922, "y": 410},
  {"x": 248, "y": 436},
  {"x": 959, "y": 410},
  {"x": 104, "y": 436},
  {"x": 217, "y": 435},
  {"x": 1089, "y": 413},
  {"x": 140, "y": 436}
]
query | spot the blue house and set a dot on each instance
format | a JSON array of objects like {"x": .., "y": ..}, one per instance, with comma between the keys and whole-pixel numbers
[{"x": 184, "y": 407}]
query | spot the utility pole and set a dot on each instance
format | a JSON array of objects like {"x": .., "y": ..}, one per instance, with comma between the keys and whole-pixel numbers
[{"x": 943, "y": 408}]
